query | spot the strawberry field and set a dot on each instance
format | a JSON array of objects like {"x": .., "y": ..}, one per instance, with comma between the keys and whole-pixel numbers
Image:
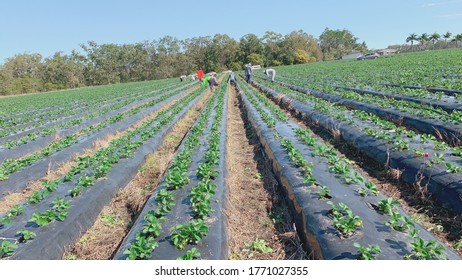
[{"x": 367, "y": 156}]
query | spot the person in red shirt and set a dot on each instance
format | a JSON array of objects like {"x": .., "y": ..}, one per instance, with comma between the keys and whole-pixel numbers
[{"x": 200, "y": 74}]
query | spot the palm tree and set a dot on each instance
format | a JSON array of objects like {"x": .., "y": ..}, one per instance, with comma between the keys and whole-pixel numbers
[
  {"x": 457, "y": 39},
  {"x": 434, "y": 38},
  {"x": 411, "y": 38},
  {"x": 447, "y": 36},
  {"x": 423, "y": 39}
]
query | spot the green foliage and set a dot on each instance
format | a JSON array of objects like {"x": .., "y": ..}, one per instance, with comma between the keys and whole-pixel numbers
[
  {"x": 367, "y": 253},
  {"x": 109, "y": 219},
  {"x": 141, "y": 248},
  {"x": 324, "y": 192},
  {"x": 255, "y": 59},
  {"x": 426, "y": 250},
  {"x": 7, "y": 248},
  {"x": 399, "y": 222},
  {"x": 42, "y": 219},
  {"x": 258, "y": 245},
  {"x": 190, "y": 255},
  {"x": 344, "y": 220},
  {"x": 387, "y": 205},
  {"x": 190, "y": 233},
  {"x": 152, "y": 225},
  {"x": 25, "y": 235}
]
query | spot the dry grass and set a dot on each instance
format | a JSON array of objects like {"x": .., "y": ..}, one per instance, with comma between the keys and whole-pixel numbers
[
  {"x": 129, "y": 201},
  {"x": 255, "y": 210}
]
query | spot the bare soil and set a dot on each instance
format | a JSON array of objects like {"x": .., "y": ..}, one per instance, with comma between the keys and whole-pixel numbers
[{"x": 256, "y": 209}]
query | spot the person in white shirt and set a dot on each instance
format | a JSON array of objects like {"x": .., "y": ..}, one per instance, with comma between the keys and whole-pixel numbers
[{"x": 270, "y": 72}]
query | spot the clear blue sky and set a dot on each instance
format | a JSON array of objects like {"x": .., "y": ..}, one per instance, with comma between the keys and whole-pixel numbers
[{"x": 47, "y": 26}]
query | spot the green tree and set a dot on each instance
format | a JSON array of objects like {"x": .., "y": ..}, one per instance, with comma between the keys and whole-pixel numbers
[
  {"x": 272, "y": 48},
  {"x": 411, "y": 38},
  {"x": 336, "y": 43},
  {"x": 434, "y": 38},
  {"x": 299, "y": 40},
  {"x": 195, "y": 49},
  {"x": 255, "y": 59},
  {"x": 22, "y": 74},
  {"x": 457, "y": 39},
  {"x": 446, "y": 37},
  {"x": 423, "y": 39},
  {"x": 301, "y": 56},
  {"x": 249, "y": 44}
]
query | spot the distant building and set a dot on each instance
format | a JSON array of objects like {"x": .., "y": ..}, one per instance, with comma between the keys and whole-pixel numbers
[
  {"x": 352, "y": 56},
  {"x": 385, "y": 52}
]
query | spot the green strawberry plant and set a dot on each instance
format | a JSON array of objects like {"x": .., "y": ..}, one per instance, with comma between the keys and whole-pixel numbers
[
  {"x": 426, "y": 251},
  {"x": 343, "y": 218},
  {"x": 36, "y": 197},
  {"x": 190, "y": 233},
  {"x": 190, "y": 255},
  {"x": 367, "y": 253},
  {"x": 258, "y": 245},
  {"x": 387, "y": 205},
  {"x": 324, "y": 192},
  {"x": 165, "y": 197},
  {"x": 16, "y": 210},
  {"x": 399, "y": 222},
  {"x": 25, "y": 235},
  {"x": 451, "y": 168},
  {"x": 42, "y": 219},
  {"x": 141, "y": 248},
  {"x": 176, "y": 179},
  {"x": 7, "y": 248},
  {"x": 205, "y": 170},
  {"x": 152, "y": 225}
]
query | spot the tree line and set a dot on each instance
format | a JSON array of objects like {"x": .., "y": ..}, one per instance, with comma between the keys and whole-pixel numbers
[
  {"x": 99, "y": 64},
  {"x": 426, "y": 41}
]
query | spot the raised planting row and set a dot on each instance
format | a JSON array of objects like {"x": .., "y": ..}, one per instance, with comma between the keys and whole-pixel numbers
[
  {"x": 423, "y": 118},
  {"x": 88, "y": 116},
  {"x": 446, "y": 103},
  {"x": 439, "y": 70},
  {"x": 17, "y": 172},
  {"x": 183, "y": 218},
  {"x": 69, "y": 205},
  {"x": 62, "y": 112},
  {"x": 19, "y": 106},
  {"x": 421, "y": 158},
  {"x": 338, "y": 213},
  {"x": 86, "y": 128}
]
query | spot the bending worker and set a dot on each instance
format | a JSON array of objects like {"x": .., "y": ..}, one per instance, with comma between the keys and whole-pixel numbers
[{"x": 270, "y": 72}]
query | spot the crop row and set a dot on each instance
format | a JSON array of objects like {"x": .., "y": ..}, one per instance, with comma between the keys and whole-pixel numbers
[
  {"x": 425, "y": 120},
  {"x": 339, "y": 214},
  {"x": 10, "y": 166},
  {"x": 418, "y": 156},
  {"x": 70, "y": 200},
  {"x": 68, "y": 115},
  {"x": 435, "y": 69},
  {"x": 191, "y": 182},
  {"x": 18, "y": 106}
]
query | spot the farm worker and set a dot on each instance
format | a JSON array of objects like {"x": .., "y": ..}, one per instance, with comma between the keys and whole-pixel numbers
[
  {"x": 271, "y": 72},
  {"x": 232, "y": 78},
  {"x": 193, "y": 77},
  {"x": 200, "y": 74},
  {"x": 182, "y": 77},
  {"x": 213, "y": 82},
  {"x": 205, "y": 81},
  {"x": 248, "y": 73}
]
